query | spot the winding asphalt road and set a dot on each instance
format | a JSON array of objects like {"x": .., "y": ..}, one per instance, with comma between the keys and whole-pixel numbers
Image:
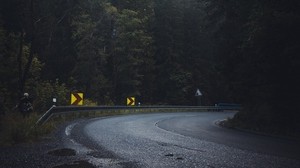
[{"x": 179, "y": 140}]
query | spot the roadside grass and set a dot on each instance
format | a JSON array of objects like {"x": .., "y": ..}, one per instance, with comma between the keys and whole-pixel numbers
[
  {"x": 264, "y": 127},
  {"x": 15, "y": 129}
]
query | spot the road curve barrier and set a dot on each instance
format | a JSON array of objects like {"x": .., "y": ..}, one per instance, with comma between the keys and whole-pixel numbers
[{"x": 63, "y": 110}]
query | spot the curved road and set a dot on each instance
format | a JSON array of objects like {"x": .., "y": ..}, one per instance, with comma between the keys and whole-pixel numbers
[{"x": 181, "y": 140}]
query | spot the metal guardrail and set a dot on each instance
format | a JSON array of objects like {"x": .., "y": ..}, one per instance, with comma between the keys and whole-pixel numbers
[{"x": 57, "y": 110}]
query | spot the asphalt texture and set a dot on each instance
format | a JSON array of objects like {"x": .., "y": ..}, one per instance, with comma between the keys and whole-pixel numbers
[
  {"x": 189, "y": 140},
  {"x": 154, "y": 140}
]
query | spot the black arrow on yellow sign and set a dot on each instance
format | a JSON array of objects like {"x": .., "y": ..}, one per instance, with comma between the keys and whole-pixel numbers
[
  {"x": 77, "y": 99},
  {"x": 130, "y": 101}
]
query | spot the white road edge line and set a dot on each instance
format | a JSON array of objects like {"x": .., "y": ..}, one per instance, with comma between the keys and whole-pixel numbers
[{"x": 69, "y": 129}]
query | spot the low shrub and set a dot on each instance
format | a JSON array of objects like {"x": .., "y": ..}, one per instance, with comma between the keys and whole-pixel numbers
[{"x": 15, "y": 129}]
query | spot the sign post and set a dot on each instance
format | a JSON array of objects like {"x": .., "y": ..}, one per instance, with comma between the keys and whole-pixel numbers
[{"x": 198, "y": 95}]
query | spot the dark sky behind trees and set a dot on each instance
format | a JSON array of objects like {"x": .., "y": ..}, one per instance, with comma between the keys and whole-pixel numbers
[{"x": 159, "y": 51}]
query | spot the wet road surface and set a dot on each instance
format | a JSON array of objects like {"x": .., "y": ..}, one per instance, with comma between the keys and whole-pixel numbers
[{"x": 179, "y": 140}]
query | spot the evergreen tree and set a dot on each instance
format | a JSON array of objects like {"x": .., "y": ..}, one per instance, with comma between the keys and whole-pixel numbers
[{"x": 91, "y": 32}]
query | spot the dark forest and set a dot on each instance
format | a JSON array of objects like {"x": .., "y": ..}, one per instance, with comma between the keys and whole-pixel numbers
[{"x": 160, "y": 51}]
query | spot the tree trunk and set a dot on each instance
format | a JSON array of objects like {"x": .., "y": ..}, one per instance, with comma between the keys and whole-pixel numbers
[
  {"x": 21, "y": 87},
  {"x": 31, "y": 53}
]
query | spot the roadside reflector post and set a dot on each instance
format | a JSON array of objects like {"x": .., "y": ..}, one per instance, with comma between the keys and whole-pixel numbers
[{"x": 54, "y": 101}]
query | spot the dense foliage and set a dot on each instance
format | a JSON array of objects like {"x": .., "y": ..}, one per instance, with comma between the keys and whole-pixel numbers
[{"x": 159, "y": 51}]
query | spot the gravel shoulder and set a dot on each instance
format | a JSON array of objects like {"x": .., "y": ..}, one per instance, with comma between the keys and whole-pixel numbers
[{"x": 35, "y": 154}]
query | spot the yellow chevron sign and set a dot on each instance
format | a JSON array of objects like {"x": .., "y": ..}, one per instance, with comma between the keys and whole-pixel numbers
[
  {"x": 77, "y": 99},
  {"x": 131, "y": 101}
]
